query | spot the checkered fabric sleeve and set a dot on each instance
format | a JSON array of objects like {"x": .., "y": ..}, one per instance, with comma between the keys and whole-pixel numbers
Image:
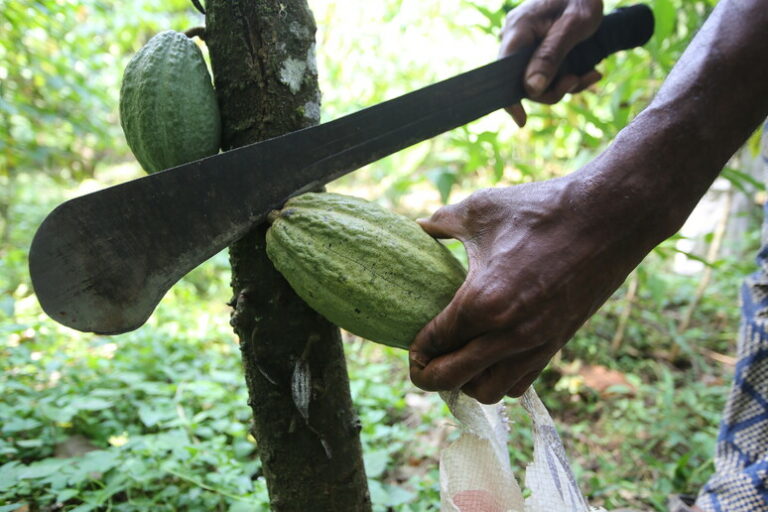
[{"x": 740, "y": 481}]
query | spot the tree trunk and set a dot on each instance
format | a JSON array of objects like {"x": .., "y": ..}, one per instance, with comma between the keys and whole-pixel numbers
[{"x": 262, "y": 52}]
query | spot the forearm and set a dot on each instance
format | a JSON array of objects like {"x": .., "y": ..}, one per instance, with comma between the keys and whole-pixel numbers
[
  {"x": 717, "y": 94},
  {"x": 545, "y": 255}
]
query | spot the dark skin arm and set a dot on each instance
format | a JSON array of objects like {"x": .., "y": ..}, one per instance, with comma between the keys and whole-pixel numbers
[{"x": 545, "y": 256}]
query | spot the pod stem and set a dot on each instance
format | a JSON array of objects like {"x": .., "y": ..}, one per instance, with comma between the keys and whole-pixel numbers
[{"x": 195, "y": 31}]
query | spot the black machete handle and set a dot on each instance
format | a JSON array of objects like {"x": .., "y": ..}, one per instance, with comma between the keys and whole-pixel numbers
[{"x": 624, "y": 28}]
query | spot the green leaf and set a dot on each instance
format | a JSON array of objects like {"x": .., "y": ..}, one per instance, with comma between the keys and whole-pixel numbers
[
  {"x": 16, "y": 424},
  {"x": 377, "y": 492},
  {"x": 170, "y": 440},
  {"x": 692, "y": 256},
  {"x": 375, "y": 462},
  {"x": 9, "y": 473},
  {"x": 7, "y": 305},
  {"x": 30, "y": 443},
  {"x": 42, "y": 469},
  {"x": 242, "y": 506},
  {"x": 58, "y": 414},
  {"x": 243, "y": 448},
  {"x": 12, "y": 507},
  {"x": 91, "y": 404},
  {"x": 150, "y": 415},
  {"x": 99, "y": 461},
  {"x": 397, "y": 496},
  {"x": 66, "y": 495},
  {"x": 85, "y": 507},
  {"x": 742, "y": 180},
  {"x": 444, "y": 179},
  {"x": 755, "y": 140},
  {"x": 665, "y": 15}
]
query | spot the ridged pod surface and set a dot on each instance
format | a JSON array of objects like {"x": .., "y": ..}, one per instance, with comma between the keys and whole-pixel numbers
[
  {"x": 370, "y": 271},
  {"x": 168, "y": 107}
]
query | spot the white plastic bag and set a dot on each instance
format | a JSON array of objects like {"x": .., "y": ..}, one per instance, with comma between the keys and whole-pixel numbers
[{"x": 475, "y": 473}]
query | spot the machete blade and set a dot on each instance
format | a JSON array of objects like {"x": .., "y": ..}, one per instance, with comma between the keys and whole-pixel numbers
[{"x": 102, "y": 262}]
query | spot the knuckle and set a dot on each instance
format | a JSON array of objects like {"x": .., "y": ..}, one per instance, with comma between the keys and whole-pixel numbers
[
  {"x": 490, "y": 309},
  {"x": 450, "y": 217},
  {"x": 511, "y": 19},
  {"x": 423, "y": 379},
  {"x": 534, "y": 296},
  {"x": 577, "y": 17},
  {"x": 469, "y": 311},
  {"x": 548, "y": 54},
  {"x": 429, "y": 343},
  {"x": 581, "y": 19},
  {"x": 441, "y": 380},
  {"x": 480, "y": 202},
  {"x": 416, "y": 357},
  {"x": 442, "y": 214},
  {"x": 517, "y": 14}
]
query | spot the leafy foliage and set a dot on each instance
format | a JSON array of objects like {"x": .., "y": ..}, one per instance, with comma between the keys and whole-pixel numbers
[
  {"x": 60, "y": 67},
  {"x": 131, "y": 423}
]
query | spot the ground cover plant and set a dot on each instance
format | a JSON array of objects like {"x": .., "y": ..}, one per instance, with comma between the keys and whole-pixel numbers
[{"x": 158, "y": 418}]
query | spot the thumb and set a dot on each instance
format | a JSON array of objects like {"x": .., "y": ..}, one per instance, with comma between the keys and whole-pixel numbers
[
  {"x": 565, "y": 33},
  {"x": 445, "y": 222}
]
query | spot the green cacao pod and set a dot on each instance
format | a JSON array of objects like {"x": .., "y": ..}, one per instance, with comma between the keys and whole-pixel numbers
[
  {"x": 168, "y": 108},
  {"x": 368, "y": 270}
]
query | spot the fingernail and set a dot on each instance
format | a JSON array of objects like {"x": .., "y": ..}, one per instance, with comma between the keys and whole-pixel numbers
[{"x": 536, "y": 83}]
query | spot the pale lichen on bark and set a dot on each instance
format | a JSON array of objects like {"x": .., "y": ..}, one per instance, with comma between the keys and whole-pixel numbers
[{"x": 292, "y": 73}]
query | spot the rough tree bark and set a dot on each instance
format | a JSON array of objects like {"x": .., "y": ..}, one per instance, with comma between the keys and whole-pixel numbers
[{"x": 262, "y": 52}]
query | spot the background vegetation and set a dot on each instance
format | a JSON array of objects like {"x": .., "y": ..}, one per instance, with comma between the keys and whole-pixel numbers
[{"x": 158, "y": 417}]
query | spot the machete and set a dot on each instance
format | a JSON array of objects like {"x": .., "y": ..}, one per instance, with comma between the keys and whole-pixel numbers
[{"x": 102, "y": 262}]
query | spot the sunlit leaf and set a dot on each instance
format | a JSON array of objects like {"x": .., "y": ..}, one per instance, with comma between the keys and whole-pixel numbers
[
  {"x": 665, "y": 16},
  {"x": 444, "y": 180}
]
